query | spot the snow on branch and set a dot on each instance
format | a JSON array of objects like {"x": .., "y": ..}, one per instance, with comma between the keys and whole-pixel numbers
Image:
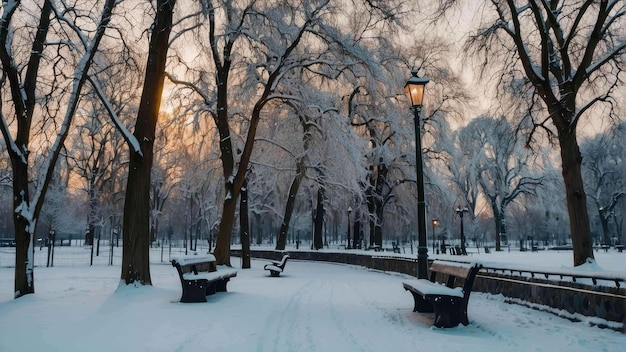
[
  {"x": 80, "y": 74},
  {"x": 130, "y": 139}
]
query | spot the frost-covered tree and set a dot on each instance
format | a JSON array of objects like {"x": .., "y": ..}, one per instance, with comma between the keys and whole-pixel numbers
[
  {"x": 565, "y": 58},
  {"x": 307, "y": 161},
  {"x": 502, "y": 165},
  {"x": 603, "y": 171},
  {"x": 43, "y": 82},
  {"x": 261, "y": 42},
  {"x": 93, "y": 152}
]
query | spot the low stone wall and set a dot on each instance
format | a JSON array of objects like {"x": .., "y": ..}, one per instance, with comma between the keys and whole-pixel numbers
[{"x": 589, "y": 300}]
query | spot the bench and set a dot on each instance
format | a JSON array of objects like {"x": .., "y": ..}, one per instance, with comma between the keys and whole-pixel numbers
[
  {"x": 456, "y": 250},
  {"x": 275, "y": 267},
  {"x": 442, "y": 294},
  {"x": 199, "y": 277}
]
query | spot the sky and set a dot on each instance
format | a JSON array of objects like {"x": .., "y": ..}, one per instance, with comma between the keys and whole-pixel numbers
[{"x": 311, "y": 307}]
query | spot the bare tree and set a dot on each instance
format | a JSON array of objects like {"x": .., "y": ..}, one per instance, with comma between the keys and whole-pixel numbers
[
  {"x": 603, "y": 171},
  {"x": 136, "y": 226},
  {"x": 565, "y": 56},
  {"x": 93, "y": 152},
  {"x": 502, "y": 166},
  {"x": 58, "y": 32}
]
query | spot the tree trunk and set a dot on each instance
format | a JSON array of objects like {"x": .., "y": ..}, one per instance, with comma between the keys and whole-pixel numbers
[
  {"x": 571, "y": 160},
  {"x": 222, "y": 244},
  {"x": 356, "y": 230},
  {"x": 376, "y": 238},
  {"x": 24, "y": 250},
  {"x": 291, "y": 201},
  {"x": 318, "y": 242},
  {"x": 378, "y": 221},
  {"x": 604, "y": 221},
  {"x": 136, "y": 227},
  {"x": 497, "y": 215},
  {"x": 244, "y": 225},
  {"x": 258, "y": 228}
]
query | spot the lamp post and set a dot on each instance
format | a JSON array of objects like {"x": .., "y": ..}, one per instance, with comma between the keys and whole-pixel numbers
[
  {"x": 414, "y": 89},
  {"x": 461, "y": 212},
  {"x": 435, "y": 223},
  {"x": 349, "y": 211}
]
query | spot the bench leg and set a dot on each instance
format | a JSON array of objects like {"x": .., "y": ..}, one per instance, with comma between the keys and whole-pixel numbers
[
  {"x": 220, "y": 285},
  {"x": 421, "y": 305},
  {"x": 211, "y": 288},
  {"x": 275, "y": 273},
  {"x": 194, "y": 291},
  {"x": 450, "y": 312}
]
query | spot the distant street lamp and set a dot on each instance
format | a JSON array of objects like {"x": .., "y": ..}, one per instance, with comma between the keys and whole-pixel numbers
[
  {"x": 414, "y": 89},
  {"x": 349, "y": 212},
  {"x": 435, "y": 223},
  {"x": 461, "y": 212}
]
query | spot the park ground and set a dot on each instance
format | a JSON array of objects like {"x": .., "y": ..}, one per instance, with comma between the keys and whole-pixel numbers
[{"x": 310, "y": 307}]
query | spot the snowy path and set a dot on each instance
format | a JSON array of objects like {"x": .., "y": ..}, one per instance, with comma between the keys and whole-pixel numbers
[{"x": 310, "y": 307}]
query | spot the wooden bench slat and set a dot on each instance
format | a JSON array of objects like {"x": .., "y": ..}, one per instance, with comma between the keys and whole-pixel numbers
[
  {"x": 456, "y": 270},
  {"x": 193, "y": 259}
]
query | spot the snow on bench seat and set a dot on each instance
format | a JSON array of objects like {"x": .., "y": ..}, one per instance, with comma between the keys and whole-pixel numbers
[
  {"x": 211, "y": 276},
  {"x": 433, "y": 288}
]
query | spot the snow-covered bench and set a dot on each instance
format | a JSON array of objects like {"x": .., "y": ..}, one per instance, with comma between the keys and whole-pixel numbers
[
  {"x": 275, "y": 267},
  {"x": 443, "y": 293},
  {"x": 199, "y": 276}
]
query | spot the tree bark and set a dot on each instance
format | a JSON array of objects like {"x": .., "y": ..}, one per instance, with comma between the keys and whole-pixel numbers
[
  {"x": 318, "y": 242},
  {"x": 244, "y": 225},
  {"x": 24, "y": 250},
  {"x": 497, "y": 218},
  {"x": 136, "y": 227},
  {"x": 281, "y": 241},
  {"x": 571, "y": 160},
  {"x": 222, "y": 243}
]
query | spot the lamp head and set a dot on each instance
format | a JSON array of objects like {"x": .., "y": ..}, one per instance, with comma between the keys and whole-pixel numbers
[{"x": 414, "y": 88}]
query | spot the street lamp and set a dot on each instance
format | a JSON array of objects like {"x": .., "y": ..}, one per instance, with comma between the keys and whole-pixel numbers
[
  {"x": 349, "y": 211},
  {"x": 461, "y": 212},
  {"x": 435, "y": 223},
  {"x": 414, "y": 89}
]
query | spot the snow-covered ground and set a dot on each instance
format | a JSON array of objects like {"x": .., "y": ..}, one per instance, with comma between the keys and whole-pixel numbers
[{"x": 310, "y": 307}]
